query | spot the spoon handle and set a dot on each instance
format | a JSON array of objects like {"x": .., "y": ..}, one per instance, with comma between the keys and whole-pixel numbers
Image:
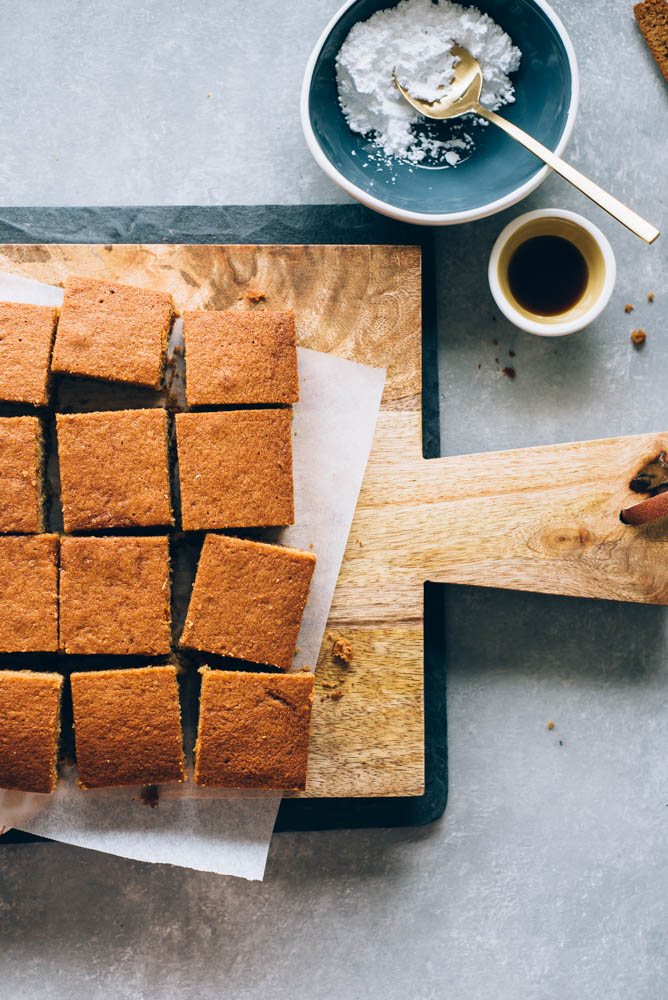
[{"x": 645, "y": 230}]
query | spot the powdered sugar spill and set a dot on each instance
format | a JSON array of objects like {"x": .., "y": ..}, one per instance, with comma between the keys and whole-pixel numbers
[{"x": 414, "y": 39}]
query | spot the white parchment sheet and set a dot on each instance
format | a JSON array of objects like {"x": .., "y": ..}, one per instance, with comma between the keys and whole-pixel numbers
[{"x": 228, "y": 832}]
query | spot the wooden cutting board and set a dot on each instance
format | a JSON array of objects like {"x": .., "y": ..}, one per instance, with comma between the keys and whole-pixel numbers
[{"x": 543, "y": 519}]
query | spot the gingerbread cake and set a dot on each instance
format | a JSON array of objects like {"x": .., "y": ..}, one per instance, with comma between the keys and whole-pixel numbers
[
  {"x": 115, "y": 595},
  {"x": 113, "y": 332},
  {"x": 113, "y": 469},
  {"x": 28, "y": 593},
  {"x": 237, "y": 356},
  {"x": 22, "y": 501},
  {"x": 253, "y": 729},
  {"x": 652, "y": 18},
  {"x": 127, "y": 727},
  {"x": 248, "y": 600},
  {"x": 26, "y": 338},
  {"x": 235, "y": 469},
  {"x": 29, "y": 730}
]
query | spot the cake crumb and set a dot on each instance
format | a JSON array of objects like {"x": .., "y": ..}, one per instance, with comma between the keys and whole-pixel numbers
[
  {"x": 550, "y": 724},
  {"x": 335, "y": 695},
  {"x": 342, "y": 649},
  {"x": 254, "y": 296},
  {"x": 650, "y": 297},
  {"x": 360, "y": 543},
  {"x": 150, "y": 795},
  {"x": 509, "y": 371},
  {"x": 628, "y": 308},
  {"x": 638, "y": 337}
]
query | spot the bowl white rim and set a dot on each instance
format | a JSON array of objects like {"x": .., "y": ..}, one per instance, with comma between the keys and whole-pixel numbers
[
  {"x": 443, "y": 218},
  {"x": 555, "y": 329}
]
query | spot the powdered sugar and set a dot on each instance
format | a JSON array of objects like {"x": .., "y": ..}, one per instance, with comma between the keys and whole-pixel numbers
[{"x": 414, "y": 39}]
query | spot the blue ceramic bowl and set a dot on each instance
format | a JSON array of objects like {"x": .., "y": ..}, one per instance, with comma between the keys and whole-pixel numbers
[{"x": 499, "y": 171}]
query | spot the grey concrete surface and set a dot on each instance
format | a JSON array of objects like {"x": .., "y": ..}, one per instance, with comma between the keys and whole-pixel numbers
[{"x": 548, "y": 876}]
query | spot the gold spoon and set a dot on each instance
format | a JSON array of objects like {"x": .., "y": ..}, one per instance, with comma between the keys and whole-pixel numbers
[{"x": 463, "y": 97}]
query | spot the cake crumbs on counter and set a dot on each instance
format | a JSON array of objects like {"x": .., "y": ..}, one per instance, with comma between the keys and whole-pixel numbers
[
  {"x": 628, "y": 308},
  {"x": 335, "y": 695},
  {"x": 638, "y": 337},
  {"x": 650, "y": 297},
  {"x": 342, "y": 649},
  {"x": 254, "y": 296},
  {"x": 550, "y": 724},
  {"x": 359, "y": 542},
  {"x": 509, "y": 372},
  {"x": 150, "y": 795}
]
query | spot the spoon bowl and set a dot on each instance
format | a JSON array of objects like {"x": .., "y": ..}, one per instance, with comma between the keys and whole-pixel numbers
[{"x": 462, "y": 94}]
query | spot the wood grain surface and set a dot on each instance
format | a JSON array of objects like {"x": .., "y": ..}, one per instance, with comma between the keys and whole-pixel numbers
[{"x": 544, "y": 519}]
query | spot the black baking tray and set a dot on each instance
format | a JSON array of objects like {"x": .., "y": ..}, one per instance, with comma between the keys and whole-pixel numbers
[{"x": 294, "y": 224}]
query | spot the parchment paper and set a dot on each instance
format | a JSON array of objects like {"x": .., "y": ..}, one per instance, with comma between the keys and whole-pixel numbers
[{"x": 227, "y": 832}]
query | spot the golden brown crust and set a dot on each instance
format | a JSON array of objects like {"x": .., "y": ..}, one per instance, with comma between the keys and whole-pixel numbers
[
  {"x": 28, "y": 593},
  {"x": 248, "y": 600},
  {"x": 21, "y": 483},
  {"x": 113, "y": 332},
  {"x": 253, "y": 729},
  {"x": 26, "y": 337},
  {"x": 127, "y": 726},
  {"x": 235, "y": 469},
  {"x": 114, "y": 595},
  {"x": 113, "y": 469},
  {"x": 652, "y": 18},
  {"x": 240, "y": 356},
  {"x": 29, "y": 730}
]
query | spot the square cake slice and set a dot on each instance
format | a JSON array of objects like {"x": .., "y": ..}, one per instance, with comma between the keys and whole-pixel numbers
[
  {"x": 113, "y": 332},
  {"x": 29, "y": 730},
  {"x": 21, "y": 475},
  {"x": 235, "y": 469},
  {"x": 113, "y": 469},
  {"x": 115, "y": 595},
  {"x": 238, "y": 357},
  {"x": 29, "y": 593},
  {"x": 127, "y": 727},
  {"x": 248, "y": 600},
  {"x": 26, "y": 338},
  {"x": 253, "y": 729}
]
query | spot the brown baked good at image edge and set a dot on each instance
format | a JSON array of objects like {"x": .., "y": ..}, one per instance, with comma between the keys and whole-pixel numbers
[
  {"x": 30, "y": 704},
  {"x": 652, "y": 18},
  {"x": 22, "y": 475},
  {"x": 29, "y": 593},
  {"x": 26, "y": 341}
]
